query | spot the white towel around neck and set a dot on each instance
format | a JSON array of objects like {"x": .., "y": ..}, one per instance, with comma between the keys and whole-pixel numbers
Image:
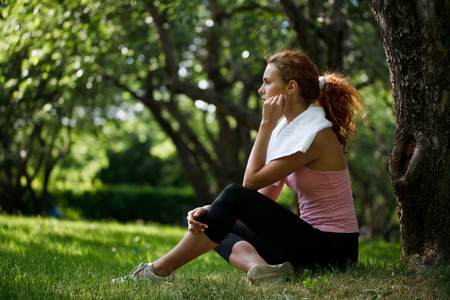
[{"x": 298, "y": 135}]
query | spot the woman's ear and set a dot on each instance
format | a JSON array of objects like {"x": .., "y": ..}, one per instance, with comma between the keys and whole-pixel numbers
[{"x": 292, "y": 87}]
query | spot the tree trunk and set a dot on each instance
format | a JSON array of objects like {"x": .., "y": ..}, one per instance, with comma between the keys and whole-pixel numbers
[{"x": 416, "y": 39}]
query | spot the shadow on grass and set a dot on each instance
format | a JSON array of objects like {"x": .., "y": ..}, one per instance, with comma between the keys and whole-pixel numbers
[{"x": 51, "y": 259}]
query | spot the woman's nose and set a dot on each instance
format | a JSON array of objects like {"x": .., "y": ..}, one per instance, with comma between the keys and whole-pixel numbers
[{"x": 260, "y": 91}]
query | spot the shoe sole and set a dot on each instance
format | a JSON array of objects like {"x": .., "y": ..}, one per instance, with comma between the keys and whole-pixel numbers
[
  {"x": 286, "y": 269},
  {"x": 148, "y": 275},
  {"x": 265, "y": 273}
]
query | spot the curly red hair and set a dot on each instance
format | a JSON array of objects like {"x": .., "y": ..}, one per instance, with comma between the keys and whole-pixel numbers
[{"x": 343, "y": 105}]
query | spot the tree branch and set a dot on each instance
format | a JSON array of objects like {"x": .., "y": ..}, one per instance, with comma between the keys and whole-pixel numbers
[
  {"x": 302, "y": 25},
  {"x": 223, "y": 104},
  {"x": 164, "y": 40}
]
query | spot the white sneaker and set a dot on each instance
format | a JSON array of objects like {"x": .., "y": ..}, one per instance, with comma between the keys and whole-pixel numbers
[
  {"x": 263, "y": 273},
  {"x": 144, "y": 271}
]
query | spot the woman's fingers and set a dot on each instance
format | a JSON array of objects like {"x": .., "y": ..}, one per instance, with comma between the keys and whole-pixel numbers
[
  {"x": 195, "y": 226},
  {"x": 274, "y": 107},
  {"x": 278, "y": 100}
]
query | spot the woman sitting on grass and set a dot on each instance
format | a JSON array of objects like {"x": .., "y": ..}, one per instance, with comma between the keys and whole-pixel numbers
[{"x": 306, "y": 152}]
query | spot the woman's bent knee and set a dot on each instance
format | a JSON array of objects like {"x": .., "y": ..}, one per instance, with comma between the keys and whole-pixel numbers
[{"x": 233, "y": 190}]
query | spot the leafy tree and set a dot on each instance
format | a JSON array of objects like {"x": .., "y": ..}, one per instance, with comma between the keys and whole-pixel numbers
[
  {"x": 213, "y": 61},
  {"x": 45, "y": 92},
  {"x": 416, "y": 39},
  {"x": 32, "y": 107},
  {"x": 196, "y": 66}
]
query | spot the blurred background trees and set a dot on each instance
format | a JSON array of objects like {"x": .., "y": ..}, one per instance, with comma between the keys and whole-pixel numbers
[{"x": 164, "y": 93}]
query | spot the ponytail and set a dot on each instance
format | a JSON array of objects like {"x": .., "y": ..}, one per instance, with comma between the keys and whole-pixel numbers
[{"x": 343, "y": 106}]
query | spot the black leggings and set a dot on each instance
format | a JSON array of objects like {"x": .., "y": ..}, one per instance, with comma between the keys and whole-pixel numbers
[{"x": 276, "y": 233}]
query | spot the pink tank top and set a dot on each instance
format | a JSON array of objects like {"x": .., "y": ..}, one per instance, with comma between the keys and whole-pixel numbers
[{"x": 325, "y": 199}]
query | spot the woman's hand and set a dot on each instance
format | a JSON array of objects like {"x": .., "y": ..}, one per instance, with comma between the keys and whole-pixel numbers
[
  {"x": 273, "y": 109},
  {"x": 195, "y": 226},
  {"x": 255, "y": 176}
]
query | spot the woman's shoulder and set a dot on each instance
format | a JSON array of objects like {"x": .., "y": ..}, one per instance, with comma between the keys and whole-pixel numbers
[
  {"x": 330, "y": 156},
  {"x": 326, "y": 138}
]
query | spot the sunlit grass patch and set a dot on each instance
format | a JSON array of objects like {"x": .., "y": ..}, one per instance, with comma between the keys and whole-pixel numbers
[
  {"x": 58, "y": 259},
  {"x": 379, "y": 251}
]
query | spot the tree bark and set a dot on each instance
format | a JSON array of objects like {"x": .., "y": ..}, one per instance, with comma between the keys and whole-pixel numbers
[{"x": 415, "y": 35}]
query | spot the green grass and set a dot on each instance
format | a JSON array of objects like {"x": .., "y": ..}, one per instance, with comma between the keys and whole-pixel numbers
[{"x": 59, "y": 259}]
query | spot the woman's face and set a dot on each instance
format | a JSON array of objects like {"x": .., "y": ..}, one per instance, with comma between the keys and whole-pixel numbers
[{"x": 272, "y": 84}]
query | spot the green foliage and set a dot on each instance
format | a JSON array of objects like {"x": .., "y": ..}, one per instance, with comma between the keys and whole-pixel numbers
[
  {"x": 368, "y": 161},
  {"x": 365, "y": 60},
  {"x": 47, "y": 91},
  {"x": 123, "y": 203},
  {"x": 311, "y": 282},
  {"x": 136, "y": 165},
  {"x": 76, "y": 76},
  {"x": 58, "y": 259}
]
